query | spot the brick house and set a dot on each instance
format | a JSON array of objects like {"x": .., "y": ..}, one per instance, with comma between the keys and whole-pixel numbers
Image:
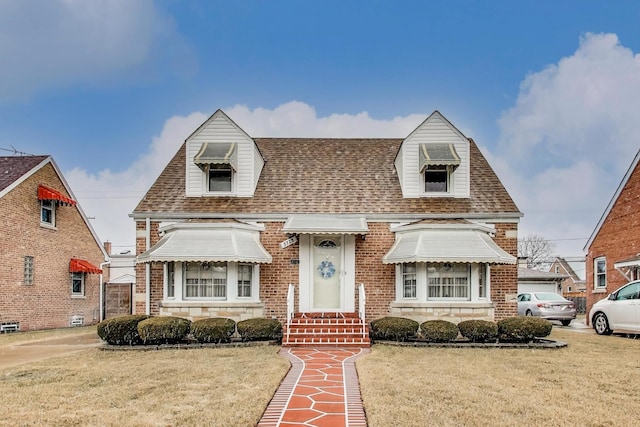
[
  {"x": 49, "y": 254},
  {"x": 244, "y": 227},
  {"x": 613, "y": 250}
]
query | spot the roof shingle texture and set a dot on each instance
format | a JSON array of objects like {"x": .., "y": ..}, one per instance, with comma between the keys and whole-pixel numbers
[
  {"x": 13, "y": 168},
  {"x": 328, "y": 176}
]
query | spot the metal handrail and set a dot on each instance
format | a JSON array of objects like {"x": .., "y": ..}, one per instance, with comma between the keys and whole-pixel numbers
[
  {"x": 362, "y": 301},
  {"x": 290, "y": 306}
]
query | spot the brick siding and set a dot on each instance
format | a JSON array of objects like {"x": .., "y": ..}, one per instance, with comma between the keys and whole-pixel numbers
[
  {"x": 47, "y": 303},
  {"x": 378, "y": 278},
  {"x": 618, "y": 239}
]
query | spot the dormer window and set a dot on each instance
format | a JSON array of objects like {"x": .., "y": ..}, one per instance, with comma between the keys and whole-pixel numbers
[
  {"x": 220, "y": 178},
  {"x": 438, "y": 161},
  {"x": 436, "y": 179},
  {"x": 219, "y": 162}
]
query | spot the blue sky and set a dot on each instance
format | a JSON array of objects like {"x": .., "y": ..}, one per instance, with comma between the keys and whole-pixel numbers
[{"x": 548, "y": 89}]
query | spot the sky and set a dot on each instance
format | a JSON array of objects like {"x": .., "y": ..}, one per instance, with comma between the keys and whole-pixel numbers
[{"x": 549, "y": 90}]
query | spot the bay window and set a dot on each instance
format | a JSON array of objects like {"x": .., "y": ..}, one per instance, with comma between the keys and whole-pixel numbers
[
  {"x": 425, "y": 282},
  {"x": 211, "y": 281}
]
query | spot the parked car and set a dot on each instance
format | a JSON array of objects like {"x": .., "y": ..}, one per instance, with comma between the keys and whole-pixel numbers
[
  {"x": 619, "y": 311},
  {"x": 547, "y": 305}
]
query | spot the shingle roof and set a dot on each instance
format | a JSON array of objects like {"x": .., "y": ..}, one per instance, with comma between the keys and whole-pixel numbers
[
  {"x": 13, "y": 168},
  {"x": 305, "y": 175}
]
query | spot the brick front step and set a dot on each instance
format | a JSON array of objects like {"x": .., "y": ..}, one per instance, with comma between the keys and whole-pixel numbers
[{"x": 326, "y": 329}]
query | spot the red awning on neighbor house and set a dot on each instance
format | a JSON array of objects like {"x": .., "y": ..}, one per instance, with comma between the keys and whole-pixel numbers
[
  {"x": 81, "y": 266},
  {"x": 46, "y": 193}
]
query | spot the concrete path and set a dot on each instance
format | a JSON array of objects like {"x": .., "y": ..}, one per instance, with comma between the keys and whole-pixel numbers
[
  {"x": 25, "y": 352},
  {"x": 321, "y": 389}
]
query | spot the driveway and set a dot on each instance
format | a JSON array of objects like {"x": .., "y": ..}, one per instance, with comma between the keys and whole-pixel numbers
[{"x": 18, "y": 354}]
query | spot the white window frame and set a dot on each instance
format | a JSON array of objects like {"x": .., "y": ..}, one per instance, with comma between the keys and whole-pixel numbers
[
  {"x": 82, "y": 277},
  {"x": 241, "y": 282},
  {"x": 412, "y": 277},
  {"x": 597, "y": 274},
  {"x": 231, "y": 285},
  {"x": 434, "y": 169},
  {"x": 48, "y": 205},
  {"x": 478, "y": 277},
  {"x": 207, "y": 179}
]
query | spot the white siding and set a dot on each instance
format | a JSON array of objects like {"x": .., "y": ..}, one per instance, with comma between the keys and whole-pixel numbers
[
  {"x": 436, "y": 129},
  {"x": 219, "y": 128}
]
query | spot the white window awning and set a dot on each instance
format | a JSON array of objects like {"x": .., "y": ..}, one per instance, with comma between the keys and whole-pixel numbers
[
  {"x": 450, "y": 244},
  {"x": 438, "y": 154},
  {"x": 315, "y": 224},
  {"x": 208, "y": 242},
  {"x": 217, "y": 153}
]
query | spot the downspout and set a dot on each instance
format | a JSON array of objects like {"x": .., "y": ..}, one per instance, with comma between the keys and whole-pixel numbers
[
  {"x": 102, "y": 290},
  {"x": 147, "y": 267}
]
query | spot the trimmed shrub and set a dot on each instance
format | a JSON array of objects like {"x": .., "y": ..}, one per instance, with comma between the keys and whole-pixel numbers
[
  {"x": 439, "y": 331},
  {"x": 478, "y": 330},
  {"x": 394, "y": 329},
  {"x": 122, "y": 330},
  {"x": 163, "y": 329},
  {"x": 523, "y": 329},
  {"x": 259, "y": 329},
  {"x": 214, "y": 330}
]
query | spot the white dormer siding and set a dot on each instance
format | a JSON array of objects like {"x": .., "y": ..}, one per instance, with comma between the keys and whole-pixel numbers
[
  {"x": 220, "y": 129},
  {"x": 436, "y": 129}
]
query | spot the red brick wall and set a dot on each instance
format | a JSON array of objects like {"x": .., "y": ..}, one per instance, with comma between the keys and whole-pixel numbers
[
  {"x": 47, "y": 303},
  {"x": 504, "y": 278},
  {"x": 378, "y": 278},
  {"x": 618, "y": 239}
]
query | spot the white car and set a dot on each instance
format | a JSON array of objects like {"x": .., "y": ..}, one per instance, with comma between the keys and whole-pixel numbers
[{"x": 619, "y": 311}]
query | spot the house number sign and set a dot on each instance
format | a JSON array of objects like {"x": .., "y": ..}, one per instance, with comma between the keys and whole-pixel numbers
[{"x": 290, "y": 241}]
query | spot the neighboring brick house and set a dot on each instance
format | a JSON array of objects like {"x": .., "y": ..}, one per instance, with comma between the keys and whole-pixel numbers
[
  {"x": 423, "y": 223},
  {"x": 49, "y": 254},
  {"x": 613, "y": 250},
  {"x": 574, "y": 269}
]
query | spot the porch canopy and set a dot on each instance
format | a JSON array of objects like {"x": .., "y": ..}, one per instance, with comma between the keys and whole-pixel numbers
[
  {"x": 439, "y": 154},
  {"x": 200, "y": 242},
  {"x": 628, "y": 266},
  {"x": 325, "y": 224},
  {"x": 446, "y": 243},
  {"x": 217, "y": 153},
  {"x": 77, "y": 265}
]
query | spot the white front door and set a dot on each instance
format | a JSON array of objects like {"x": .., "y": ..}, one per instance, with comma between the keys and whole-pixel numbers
[
  {"x": 327, "y": 273},
  {"x": 327, "y": 277}
]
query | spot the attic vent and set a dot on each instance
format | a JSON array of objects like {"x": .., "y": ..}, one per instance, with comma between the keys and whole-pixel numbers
[
  {"x": 6, "y": 327},
  {"x": 76, "y": 320}
]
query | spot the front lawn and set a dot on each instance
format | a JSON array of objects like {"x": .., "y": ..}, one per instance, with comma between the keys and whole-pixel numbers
[{"x": 592, "y": 382}]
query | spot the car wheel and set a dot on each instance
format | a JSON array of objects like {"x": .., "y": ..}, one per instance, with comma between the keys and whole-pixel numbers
[
  {"x": 566, "y": 322},
  {"x": 528, "y": 313},
  {"x": 601, "y": 324}
]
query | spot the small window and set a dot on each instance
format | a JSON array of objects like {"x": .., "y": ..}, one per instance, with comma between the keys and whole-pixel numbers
[
  {"x": 482, "y": 281},
  {"x": 77, "y": 284},
  {"x": 28, "y": 270},
  {"x": 220, "y": 178},
  {"x": 409, "y": 280},
  {"x": 600, "y": 271},
  {"x": 48, "y": 212},
  {"x": 245, "y": 271},
  {"x": 436, "y": 179},
  {"x": 171, "y": 284}
]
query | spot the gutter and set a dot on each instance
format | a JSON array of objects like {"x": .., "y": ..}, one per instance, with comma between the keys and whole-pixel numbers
[{"x": 102, "y": 290}]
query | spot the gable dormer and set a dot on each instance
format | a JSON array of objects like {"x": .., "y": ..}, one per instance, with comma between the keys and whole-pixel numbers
[
  {"x": 433, "y": 161},
  {"x": 222, "y": 160}
]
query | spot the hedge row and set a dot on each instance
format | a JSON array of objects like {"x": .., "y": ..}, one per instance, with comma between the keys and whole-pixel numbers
[
  {"x": 513, "y": 329},
  {"x": 154, "y": 330}
]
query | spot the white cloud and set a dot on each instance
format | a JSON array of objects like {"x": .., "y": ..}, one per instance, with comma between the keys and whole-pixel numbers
[
  {"x": 57, "y": 43},
  {"x": 111, "y": 197},
  {"x": 570, "y": 137}
]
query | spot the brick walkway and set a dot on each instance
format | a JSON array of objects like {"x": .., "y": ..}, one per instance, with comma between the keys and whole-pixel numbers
[{"x": 321, "y": 389}]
